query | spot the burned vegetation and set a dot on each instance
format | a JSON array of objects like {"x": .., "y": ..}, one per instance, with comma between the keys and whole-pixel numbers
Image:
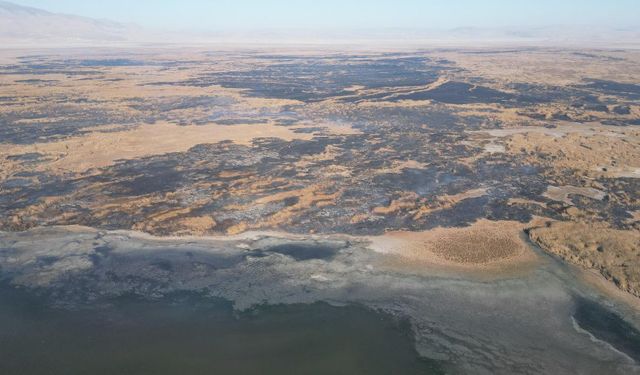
[{"x": 363, "y": 144}]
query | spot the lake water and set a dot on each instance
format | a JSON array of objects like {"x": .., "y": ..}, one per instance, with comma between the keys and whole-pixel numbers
[
  {"x": 190, "y": 334},
  {"x": 118, "y": 303}
]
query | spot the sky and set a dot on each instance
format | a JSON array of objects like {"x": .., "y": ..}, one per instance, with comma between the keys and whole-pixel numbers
[{"x": 350, "y": 14}]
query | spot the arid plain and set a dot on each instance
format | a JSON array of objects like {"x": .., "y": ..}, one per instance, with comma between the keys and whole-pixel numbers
[{"x": 479, "y": 170}]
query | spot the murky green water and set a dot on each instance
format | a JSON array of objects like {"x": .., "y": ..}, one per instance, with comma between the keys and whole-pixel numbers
[{"x": 188, "y": 334}]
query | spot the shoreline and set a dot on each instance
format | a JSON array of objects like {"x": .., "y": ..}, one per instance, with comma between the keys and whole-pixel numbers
[{"x": 254, "y": 269}]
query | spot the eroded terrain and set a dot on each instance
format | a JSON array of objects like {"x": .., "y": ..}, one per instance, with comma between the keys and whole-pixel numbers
[{"x": 440, "y": 160}]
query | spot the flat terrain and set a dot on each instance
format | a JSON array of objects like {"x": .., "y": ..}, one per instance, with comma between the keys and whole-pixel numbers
[
  {"x": 201, "y": 143},
  {"x": 446, "y": 160}
]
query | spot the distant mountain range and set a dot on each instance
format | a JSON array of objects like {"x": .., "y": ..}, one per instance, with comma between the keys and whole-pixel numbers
[{"x": 27, "y": 26}]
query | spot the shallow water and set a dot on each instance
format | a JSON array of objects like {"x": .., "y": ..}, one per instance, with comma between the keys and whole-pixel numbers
[
  {"x": 191, "y": 334},
  {"x": 305, "y": 251},
  {"x": 608, "y": 327},
  {"x": 535, "y": 319}
]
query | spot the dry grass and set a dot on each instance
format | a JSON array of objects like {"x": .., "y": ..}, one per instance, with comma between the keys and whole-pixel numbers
[
  {"x": 614, "y": 253},
  {"x": 96, "y": 150},
  {"x": 483, "y": 243},
  {"x": 604, "y": 152}
]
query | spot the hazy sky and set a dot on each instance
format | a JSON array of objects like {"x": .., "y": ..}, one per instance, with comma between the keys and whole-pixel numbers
[{"x": 258, "y": 14}]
